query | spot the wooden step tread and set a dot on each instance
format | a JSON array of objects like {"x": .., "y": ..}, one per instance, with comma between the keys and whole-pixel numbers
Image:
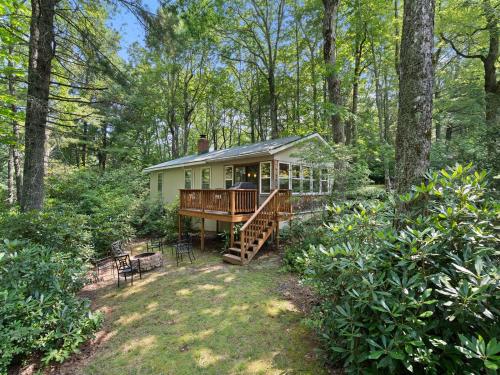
[{"x": 230, "y": 258}]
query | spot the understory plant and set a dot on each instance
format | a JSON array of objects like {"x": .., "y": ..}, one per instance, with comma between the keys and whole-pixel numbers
[
  {"x": 421, "y": 299},
  {"x": 40, "y": 312}
]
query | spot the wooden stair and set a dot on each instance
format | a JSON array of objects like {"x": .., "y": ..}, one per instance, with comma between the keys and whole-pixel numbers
[{"x": 256, "y": 231}]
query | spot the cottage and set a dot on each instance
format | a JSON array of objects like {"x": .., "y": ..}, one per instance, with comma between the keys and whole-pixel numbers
[{"x": 259, "y": 184}]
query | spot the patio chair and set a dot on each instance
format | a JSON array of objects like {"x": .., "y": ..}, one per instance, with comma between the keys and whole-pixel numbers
[
  {"x": 155, "y": 244},
  {"x": 117, "y": 248},
  {"x": 184, "y": 247},
  {"x": 125, "y": 267},
  {"x": 100, "y": 265}
]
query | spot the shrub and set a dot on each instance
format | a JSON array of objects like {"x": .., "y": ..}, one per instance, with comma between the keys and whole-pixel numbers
[
  {"x": 423, "y": 299},
  {"x": 39, "y": 309},
  {"x": 154, "y": 219},
  {"x": 108, "y": 200},
  {"x": 58, "y": 228},
  {"x": 298, "y": 237}
]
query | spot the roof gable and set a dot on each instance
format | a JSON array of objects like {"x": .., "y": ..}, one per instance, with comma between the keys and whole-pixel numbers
[{"x": 269, "y": 147}]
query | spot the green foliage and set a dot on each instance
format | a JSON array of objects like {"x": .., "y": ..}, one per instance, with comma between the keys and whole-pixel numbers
[
  {"x": 39, "y": 309},
  {"x": 58, "y": 228},
  {"x": 300, "y": 236},
  {"x": 107, "y": 200},
  {"x": 154, "y": 219},
  {"x": 423, "y": 299}
]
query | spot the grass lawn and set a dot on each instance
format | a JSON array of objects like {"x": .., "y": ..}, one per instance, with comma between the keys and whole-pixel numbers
[{"x": 205, "y": 318}]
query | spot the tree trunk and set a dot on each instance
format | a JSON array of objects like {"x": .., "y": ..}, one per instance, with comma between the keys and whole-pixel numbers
[
  {"x": 413, "y": 136},
  {"x": 41, "y": 51},
  {"x": 273, "y": 104},
  {"x": 102, "y": 154},
  {"x": 350, "y": 133},
  {"x": 14, "y": 149},
  {"x": 314, "y": 95},
  {"x": 297, "y": 74},
  {"x": 10, "y": 178},
  {"x": 84, "y": 145},
  {"x": 330, "y": 58}
]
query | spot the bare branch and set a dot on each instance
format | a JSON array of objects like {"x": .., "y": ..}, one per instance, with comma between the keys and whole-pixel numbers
[{"x": 452, "y": 45}]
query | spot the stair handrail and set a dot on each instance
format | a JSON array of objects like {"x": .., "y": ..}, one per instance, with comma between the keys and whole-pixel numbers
[
  {"x": 270, "y": 199},
  {"x": 261, "y": 207}
]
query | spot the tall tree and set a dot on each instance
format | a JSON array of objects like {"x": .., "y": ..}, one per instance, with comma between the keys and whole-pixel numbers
[
  {"x": 256, "y": 31},
  {"x": 489, "y": 58},
  {"x": 331, "y": 8},
  {"x": 413, "y": 135},
  {"x": 41, "y": 52}
]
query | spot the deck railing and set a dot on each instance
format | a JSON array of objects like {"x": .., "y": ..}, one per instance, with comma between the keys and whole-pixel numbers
[{"x": 221, "y": 200}]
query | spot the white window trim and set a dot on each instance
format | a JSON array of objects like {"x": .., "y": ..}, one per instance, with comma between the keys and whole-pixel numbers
[
  {"x": 232, "y": 175},
  {"x": 289, "y": 174},
  {"x": 209, "y": 178},
  {"x": 192, "y": 178},
  {"x": 270, "y": 176}
]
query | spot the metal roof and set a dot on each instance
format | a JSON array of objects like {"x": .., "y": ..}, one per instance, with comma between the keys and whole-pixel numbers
[{"x": 254, "y": 149}]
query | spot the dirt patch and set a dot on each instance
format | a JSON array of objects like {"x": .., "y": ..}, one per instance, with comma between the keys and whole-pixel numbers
[{"x": 301, "y": 296}]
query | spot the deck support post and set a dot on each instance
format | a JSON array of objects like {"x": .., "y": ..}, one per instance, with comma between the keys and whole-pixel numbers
[
  {"x": 202, "y": 238},
  {"x": 231, "y": 234},
  {"x": 277, "y": 234},
  {"x": 180, "y": 227}
]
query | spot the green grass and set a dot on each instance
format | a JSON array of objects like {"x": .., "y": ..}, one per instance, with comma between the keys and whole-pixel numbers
[{"x": 205, "y": 318}]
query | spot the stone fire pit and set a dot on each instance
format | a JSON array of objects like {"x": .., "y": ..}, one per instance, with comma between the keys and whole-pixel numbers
[{"x": 149, "y": 260}]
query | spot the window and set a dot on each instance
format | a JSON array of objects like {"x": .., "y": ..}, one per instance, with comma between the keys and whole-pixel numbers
[
  {"x": 239, "y": 174},
  {"x": 159, "y": 187},
  {"x": 205, "y": 178},
  {"x": 188, "y": 179},
  {"x": 306, "y": 179},
  {"x": 324, "y": 181},
  {"x": 265, "y": 177},
  {"x": 284, "y": 176},
  {"x": 228, "y": 176},
  {"x": 316, "y": 180},
  {"x": 296, "y": 178}
]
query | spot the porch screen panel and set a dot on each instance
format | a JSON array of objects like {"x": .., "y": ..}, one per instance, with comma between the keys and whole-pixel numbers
[
  {"x": 188, "y": 179},
  {"x": 324, "y": 181},
  {"x": 306, "y": 179},
  {"x": 239, "y": 174},
  {"x": 284, "y": 176},
  {"x": 228, "y": 176},
  {"x": 205, "y": 178},
  {"x": 316, "y": 180},
  {"x": 265, "y": 177},
  {"x": 296, "y": 178}
]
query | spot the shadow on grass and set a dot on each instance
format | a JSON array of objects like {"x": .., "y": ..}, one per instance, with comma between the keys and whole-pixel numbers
[{"x": 205, "y": 318}]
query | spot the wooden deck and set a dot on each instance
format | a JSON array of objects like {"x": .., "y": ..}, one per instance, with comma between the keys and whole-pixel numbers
[
  {"x": 236, "y": 206},
  {"x": 220, "y": 204}
]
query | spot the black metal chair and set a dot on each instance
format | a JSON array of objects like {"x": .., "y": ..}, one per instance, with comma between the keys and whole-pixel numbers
[
  {"x": 155, "y": 244},
  {"x": 125, "y": 267},
  {"x": 184, "y": 247},
  {"x": 100, "y": 265}
]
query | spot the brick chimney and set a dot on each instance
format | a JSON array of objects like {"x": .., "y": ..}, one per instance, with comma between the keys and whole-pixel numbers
[{"x": 203, "y": 145}]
